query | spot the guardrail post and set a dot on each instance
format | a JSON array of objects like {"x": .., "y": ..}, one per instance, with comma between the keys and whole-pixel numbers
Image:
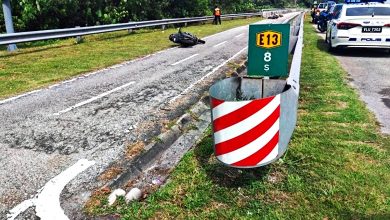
[
  {"x": 163, "y": 27},
  {"x": 129, "y": 31},
  {"x": 9, "y": 26},
  {"x": 185, "y": 24},
  {"x": 79, "y": 39}
]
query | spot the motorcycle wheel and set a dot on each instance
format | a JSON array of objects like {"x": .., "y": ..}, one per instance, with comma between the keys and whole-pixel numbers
[{"x": 321, "y": 27}]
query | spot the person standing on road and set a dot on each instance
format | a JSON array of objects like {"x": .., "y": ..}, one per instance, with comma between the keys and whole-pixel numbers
[{"x": 217, "y": 15}]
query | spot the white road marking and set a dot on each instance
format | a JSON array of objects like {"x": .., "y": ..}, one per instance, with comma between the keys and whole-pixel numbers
[
  {"x": 93, "y": 98},
  {"x": 86, "y": 75},
  {"x": 239, "y": 35},
  {"x": 47, "y": 201},
  {"x": 107, "y": 68},
  {"x": 19, "y": 96},
  {"x": 220, "y": 44},
  {"x": 180, "y": 61},
  {"x": 214, "y": 35},
  {"x": 208, "y": 74}
]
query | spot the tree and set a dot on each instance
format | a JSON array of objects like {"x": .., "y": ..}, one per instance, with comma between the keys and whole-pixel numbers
[{"x": 32, "y": 15}]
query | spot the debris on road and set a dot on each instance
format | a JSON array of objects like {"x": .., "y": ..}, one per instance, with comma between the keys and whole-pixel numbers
[
  {"x": 114, "y": 195},
  {"x": 134, "y": 194}
]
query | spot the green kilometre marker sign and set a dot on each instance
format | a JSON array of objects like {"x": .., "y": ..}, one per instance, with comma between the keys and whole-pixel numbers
[{"x": 268, "y": 50}]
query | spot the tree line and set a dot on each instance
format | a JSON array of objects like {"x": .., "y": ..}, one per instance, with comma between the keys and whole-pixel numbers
[{"x": 30, "y": 15}]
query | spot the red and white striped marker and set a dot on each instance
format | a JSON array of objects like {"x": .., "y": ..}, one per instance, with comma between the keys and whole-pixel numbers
[{"x": 246, "y": 133}]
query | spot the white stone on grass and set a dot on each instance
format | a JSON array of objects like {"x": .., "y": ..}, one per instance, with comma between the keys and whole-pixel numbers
[
  {"x": 112, "y": 197},
  {"x": 134, "y": 194}
]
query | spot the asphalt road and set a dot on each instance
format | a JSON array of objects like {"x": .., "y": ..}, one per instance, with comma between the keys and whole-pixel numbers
[
  {"x": 369, "y": 73},
  {"x": 368, "y": 70},
  {"x": 96, "y": 116}
]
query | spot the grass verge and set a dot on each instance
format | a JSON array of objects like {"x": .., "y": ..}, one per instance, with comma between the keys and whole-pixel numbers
[
  {"x": 42, "y": 63},
  {"x": 337, "y": 165}
]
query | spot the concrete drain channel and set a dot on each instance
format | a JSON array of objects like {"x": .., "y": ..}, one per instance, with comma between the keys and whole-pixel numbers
[{"x": 152, "y": 166}]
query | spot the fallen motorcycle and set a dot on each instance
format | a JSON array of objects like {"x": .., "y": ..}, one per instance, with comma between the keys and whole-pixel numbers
[{"x": 185, "y": 39}]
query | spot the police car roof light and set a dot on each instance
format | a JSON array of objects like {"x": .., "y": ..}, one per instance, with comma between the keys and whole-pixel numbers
[{"x": 363, "y": 1}]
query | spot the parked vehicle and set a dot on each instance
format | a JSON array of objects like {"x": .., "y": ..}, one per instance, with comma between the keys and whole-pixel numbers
[
  {"x": 359, "y": 25},
  {"x": 320, "y": 8},
  {"x": 185, "y": 39},
  {"x": 323, "y": 21}
]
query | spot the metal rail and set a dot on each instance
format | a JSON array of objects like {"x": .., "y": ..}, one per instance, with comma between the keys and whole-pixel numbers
[
  {"x": 295, "y": 68},
  {"x": 80, "y": 31}
]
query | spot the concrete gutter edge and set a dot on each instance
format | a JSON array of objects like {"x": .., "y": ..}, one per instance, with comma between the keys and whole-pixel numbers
[{"x": 161, "y": 157}]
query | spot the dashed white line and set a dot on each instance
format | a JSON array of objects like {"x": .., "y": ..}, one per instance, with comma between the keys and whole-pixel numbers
[
  {"x": 47, "y": 201},
  {"x": 93, "y": 98},
  {"x": 220, "y": 44},
  {"x": 239, "y": 35},
  {"x": 185, "y": 59},
  {"x": 85, "y": 76},
  {"x": 208, "y": 74},
  {"x": 214, "y": 35}
]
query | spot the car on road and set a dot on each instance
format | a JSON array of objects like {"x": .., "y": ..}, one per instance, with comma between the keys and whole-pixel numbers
[{"x": 359, "y": 25}]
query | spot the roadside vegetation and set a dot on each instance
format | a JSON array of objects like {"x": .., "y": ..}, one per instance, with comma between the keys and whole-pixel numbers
[
  {"x": 43, "y": 63},
  {"x": 30, "y": 15},
  {"x": 337, "y": 165}
]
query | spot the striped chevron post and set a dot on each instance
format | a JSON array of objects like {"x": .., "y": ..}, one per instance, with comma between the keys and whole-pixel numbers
[
  {"x": 246, "y": 133},
  {"x": 256, "y": 132}
]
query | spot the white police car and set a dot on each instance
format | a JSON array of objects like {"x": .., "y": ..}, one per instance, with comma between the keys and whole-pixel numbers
[{"x": 357, "y": 24}]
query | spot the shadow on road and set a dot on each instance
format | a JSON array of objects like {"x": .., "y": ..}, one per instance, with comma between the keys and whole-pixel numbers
[{"x": 223, "y": 175}]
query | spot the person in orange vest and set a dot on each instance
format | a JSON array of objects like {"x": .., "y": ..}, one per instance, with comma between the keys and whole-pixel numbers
[{"x": 217, "y": 15}]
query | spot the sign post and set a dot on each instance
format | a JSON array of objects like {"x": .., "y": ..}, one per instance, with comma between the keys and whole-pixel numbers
[
  {"x": 254, "y": 116},
  {"x": 268, "y": 50},
  {"x": 9, "y": 26}
]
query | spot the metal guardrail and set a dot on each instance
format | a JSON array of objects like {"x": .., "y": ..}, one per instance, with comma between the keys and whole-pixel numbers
[
  {"x": 80, "y": 31},
  {"x": 295, "y": 26},
  {"x": 295, "y": 68}
]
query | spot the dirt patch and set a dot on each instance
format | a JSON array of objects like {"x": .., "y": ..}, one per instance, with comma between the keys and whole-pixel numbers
[
  {"x": 96, "y": 199},
  {"x": 341, "y": 105},
  {"x": 276, "y": 177},
  {"x": 330, "y": 113},
  {"x": 134, "y": 149},
  {"x": 215, "y": 206},
  {"x": 344, "y": 125},
  {"x": 302, "y": 112},
  {"x": 277, "y": 197},
  {"x": 11, "y": 199},
  {"x": 336, "y": 94},
  {"x": 110, "y": 173}
]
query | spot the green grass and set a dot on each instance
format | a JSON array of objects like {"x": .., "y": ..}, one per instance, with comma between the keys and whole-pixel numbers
[
  {"x": 46, "y": 62},
  {"x": 337, "y": 165}
]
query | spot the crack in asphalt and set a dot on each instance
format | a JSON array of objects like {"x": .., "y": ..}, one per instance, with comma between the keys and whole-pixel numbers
[{"x": 36, "y": 145}]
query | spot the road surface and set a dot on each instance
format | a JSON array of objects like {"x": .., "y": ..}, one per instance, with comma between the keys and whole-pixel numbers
[{"x": 94, "y": 117}]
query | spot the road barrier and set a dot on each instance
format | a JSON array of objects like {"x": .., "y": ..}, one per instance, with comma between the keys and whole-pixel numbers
[
  {"x": 254, "y": 117},
  {"x": 21, "y": 37}
]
